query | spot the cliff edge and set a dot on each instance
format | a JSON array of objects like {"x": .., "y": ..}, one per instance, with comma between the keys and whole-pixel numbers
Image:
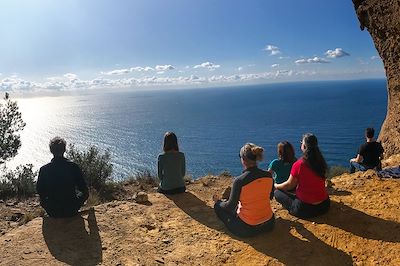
[
  {"x": 382, "y": 20},
  {"x": 360, "y": 229}
]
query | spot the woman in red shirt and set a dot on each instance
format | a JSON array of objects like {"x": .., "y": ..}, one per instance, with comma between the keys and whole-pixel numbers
[{"x": 308, "y": 176}]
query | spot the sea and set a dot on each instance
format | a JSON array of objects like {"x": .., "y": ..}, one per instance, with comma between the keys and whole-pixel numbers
[{"x": 212, "y": 124}]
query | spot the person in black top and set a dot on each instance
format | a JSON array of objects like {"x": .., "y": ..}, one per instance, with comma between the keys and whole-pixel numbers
[
  {"x": 369, "y": 154},
  {"x": 60, "y": 184}
]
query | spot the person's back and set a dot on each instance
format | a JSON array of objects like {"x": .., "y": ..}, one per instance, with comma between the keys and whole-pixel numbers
[
  {"x": 310, "y": 187},
  {"x": 371, "y": 152},
  {"x": 254, "y": 200},
  {"x": 60, "y": 184},
  {"x": 171, "y": 170},
  {"x": 280, "y": 168},
  {"x": 171, "y": 166}
]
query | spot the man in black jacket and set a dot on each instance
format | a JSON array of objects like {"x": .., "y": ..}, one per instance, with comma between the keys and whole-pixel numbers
[{"x": 60, "y": 184}]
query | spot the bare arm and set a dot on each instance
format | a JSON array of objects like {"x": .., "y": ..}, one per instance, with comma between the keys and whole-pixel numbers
[
  {"x": 290, "y": 184},
  {"x": 358, "y": 159}
]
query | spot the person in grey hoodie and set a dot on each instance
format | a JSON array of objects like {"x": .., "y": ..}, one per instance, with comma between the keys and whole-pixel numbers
[{"x": 171, "y": 166}]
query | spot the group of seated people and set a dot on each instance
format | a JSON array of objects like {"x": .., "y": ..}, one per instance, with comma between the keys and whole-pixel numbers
[{"x": 297, "y": 184}]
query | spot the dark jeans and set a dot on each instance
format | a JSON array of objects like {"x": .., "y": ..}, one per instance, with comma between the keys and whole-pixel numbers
[
  {"x": 362, "y": 167},
  {"x": 238, "y": 227},
  {"x": 58, "y": 209},
  {"x": 298, "y": 208},
  {"x": 171, "y": 191}
]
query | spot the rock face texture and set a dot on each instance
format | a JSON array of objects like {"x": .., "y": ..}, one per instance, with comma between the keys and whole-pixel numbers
[{"x": 382, "y": 19}]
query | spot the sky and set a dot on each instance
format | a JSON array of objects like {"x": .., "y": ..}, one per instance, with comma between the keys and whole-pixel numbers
[{"x": 52, "y": 46}]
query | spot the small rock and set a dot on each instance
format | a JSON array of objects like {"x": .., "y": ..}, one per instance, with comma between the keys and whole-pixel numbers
[
  {"x": 104, "y": 248},
  {"x": 166, "y": 241},
  {"x": 160, "y": 260},
  {"x": 141, "y": 197}
]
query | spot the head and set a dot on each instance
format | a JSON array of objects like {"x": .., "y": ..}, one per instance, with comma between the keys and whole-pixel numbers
[
  {"x": 369, "y": 133},
  {"x": 57, "y": 146},
  {"x": 250, "y": 154},
  {"x": 312, "y": 155},
  {"x": 170, "y": 142},
  {"x": 286, "y": 152}
]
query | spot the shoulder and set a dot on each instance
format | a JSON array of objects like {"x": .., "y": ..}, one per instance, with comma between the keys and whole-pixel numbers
[
  {"x": 274, "y": 163},
  {"x": 161, "y": 155},
  {"x": 263, "y": 173},
  {"x": 181, "y": 154},
  {"x": 363, "y": 146},
  {"x": 299, "y": 163},
  {"x": 45, "y": 167},
  {"x": 72, "y": 164}
]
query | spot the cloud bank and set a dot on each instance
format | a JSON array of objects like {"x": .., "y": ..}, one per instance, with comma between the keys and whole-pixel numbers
[
  {"x": 314, "y": 60},
  {"x": 208, "y": 65}
]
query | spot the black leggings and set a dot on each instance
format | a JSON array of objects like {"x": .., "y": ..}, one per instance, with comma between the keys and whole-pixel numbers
[
  {"x": 238, "y": 227},
  {"x": 299, "y": 208},
  {"x": 171, "y": 191}
]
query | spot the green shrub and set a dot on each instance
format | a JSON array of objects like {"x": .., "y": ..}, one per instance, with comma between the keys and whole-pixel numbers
[
  {"x": 11, "y": 124},
  {"x": 96, "y": 168},
  {"x": 19, "y": 182},
  {"x": 143, "y": 177},
  {"x": 337, "y": 170}
]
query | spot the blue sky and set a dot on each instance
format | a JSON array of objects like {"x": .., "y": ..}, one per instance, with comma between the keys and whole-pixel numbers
[{"x": 71, "y": 45}]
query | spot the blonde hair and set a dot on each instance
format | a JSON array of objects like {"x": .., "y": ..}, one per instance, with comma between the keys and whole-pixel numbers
[{"x": 250, "y": 152}]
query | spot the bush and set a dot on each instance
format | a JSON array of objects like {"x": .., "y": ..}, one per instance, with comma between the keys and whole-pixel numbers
[
  {"x": 96, "y": 167},
  {"x": 144, "y": 178},
  {"x": 337, "y": 170},
  {"x": 18, "y": 183},
  {"x": 10, "y": 124}
]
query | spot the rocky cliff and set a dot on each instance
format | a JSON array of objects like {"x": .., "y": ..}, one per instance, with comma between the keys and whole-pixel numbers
[
  {"x": 382, "y": 19},
  {"x": 361, "y": 228}
]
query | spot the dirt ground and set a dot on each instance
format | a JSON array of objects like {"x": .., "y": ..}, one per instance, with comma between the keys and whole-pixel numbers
[{"x": 362, "y": 228}]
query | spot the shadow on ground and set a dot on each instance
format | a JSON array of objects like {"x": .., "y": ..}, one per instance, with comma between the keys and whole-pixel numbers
[
  {"x": 360, "y": 223},
  {"x": 69, "y": 241},
  {"x": 290, "y": 242}
]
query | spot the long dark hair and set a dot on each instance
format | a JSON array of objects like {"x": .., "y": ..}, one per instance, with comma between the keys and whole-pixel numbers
[
  {"x": 313, "y": 156},
  {"x": 170, "y": 142},
  {"x": 286, "y": 152}
]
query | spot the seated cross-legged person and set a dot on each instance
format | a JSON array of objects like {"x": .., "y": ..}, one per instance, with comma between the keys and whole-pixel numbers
[
  {"x": 248, "y": 212},
  {"x": 171, "y": 166},
  {"x": 369, "y": 154},
  {"x": 280, "y": 168},
  {"x": 60, "y": 184},
  {"x": 307, "y": 176}
]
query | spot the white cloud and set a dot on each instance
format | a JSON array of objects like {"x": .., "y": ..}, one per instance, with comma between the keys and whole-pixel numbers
[
  {"x": 70, "y": 76},
  {"x": 164, "y": 67},
  {"x": 240, "y": 68},
  {"x": 375, "y": 57},
  {"x": 338, "y": 52},
  {"x": 273, "y": 49},
  {"x": 275, "y": 65},
  {"x": 210, "y": 66},
  {"x": 117, "y": 72},
  {"x": 284, "y": 57},
  {"x": 314, "y": 60}
]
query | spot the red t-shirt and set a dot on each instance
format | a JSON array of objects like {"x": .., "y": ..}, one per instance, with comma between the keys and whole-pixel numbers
[{"x": 310, "y": 186}]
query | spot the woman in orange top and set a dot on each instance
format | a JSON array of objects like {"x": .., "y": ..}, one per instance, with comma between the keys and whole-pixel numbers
[{"x": 248, "y": 212}]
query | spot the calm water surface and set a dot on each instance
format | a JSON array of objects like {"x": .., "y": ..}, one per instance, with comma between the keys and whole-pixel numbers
[{"x": 211, "y": 124}]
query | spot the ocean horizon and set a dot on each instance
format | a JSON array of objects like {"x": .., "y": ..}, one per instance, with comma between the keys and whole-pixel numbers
[{"x": 211, "y": 123}]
